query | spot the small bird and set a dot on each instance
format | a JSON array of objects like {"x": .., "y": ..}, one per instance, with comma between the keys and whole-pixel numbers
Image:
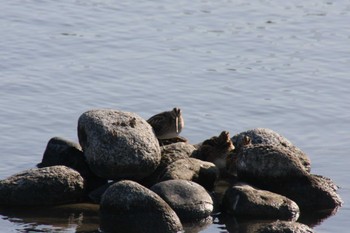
[{"x": 167, "y": 125}]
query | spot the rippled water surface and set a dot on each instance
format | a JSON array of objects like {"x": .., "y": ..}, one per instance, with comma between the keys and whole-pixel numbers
[{"x": 230, "y": 65}]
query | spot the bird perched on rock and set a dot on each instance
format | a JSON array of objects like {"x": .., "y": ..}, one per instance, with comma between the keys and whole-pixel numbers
[{"x": 167, "y": 125}]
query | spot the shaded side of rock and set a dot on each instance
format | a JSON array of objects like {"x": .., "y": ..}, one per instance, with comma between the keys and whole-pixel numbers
[
  {"x": 189, "y": 200},
  {"x": 270, "y": 137},
  {"x": 247, "y": 201},
  {"x": 310, "y": 193},
  {"x": 118, "y": 144},
  {"x": 264, "y": 164},
  {"x": 201, "y": 172},
  {"x": 60, "y": 151},
  {"x": 42, "y": 186},
  {"x": 127, "y": 206}
]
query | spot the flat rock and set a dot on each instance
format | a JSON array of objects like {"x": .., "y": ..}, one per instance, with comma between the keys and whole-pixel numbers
[
  {"x": 42, "y": 186},
  {"x": 246, "y": 201},
  {"x": 118, "y": 144},
  {"x": 270, "y": 137},
  {"x": 127, "y": 206},
  {"x": 201, "y": 172},
  {"x": 189, "y": 200}
]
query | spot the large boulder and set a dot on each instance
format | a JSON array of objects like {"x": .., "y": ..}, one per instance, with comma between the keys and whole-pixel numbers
[
  {"x": 189, "y": 200},
  {"x": 118, "y": 144},
  {"x": 60, "y": 151},
  {"x": 201, "y": 172},
  {"x": 246, "y": 201},
  {"x": 270, "y": 137},
  {"x": 42, "y": 186},
  {"x": 127, "y": 206}
]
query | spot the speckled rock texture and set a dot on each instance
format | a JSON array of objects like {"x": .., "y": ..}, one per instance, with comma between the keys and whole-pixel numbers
[
  {"x": 282, "y": 227},
  {"x": 60, "y": 151},
  {"x": 127, "y": 206},
  {"x": 201, "y": 172},
  {"x": 42, "y": 186},
  {"x": 118, "y": 144},
  {"x": 189, "y": 200},
  {"x": 270, "y": 137},
  {"x": 246, "y": 201}
]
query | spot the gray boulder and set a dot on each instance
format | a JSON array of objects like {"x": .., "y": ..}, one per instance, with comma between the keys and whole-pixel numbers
[
  {"x": 201, "y": 172},
  {"x": 270, "y": 137},
  {"x": 246, "y": 201},
  {"x": 189, "y": 200},
  {"x": 118, "y": 144},
  {"x": 60, "y": 151},
  {"x": 127, "y": 206},
  {"x": 282, "y": 227},
  {"x": 42, "y": 186}
]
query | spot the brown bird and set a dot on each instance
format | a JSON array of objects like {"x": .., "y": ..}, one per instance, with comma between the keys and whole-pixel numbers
[{"x": 167, "y": 125}]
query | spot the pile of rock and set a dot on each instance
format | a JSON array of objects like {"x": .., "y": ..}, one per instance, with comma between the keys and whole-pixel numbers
[{"x": 120, "y": 165}]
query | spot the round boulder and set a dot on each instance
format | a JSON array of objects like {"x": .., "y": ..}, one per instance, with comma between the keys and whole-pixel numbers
[
  {"x": 188, "y": 199},
  {"x": 118, "y": 144},
  {"x": 42, "y": 186},
  {"x": 270, "y": 137},
  {"x": 127, "y": 206},
  {"x": 245, "y": 200}
]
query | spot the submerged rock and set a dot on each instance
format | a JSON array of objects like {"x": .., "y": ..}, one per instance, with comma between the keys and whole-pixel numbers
[
  {"x": 282, "y": 227},
  {"x": 246, "y": 201},
  {"x": 189, "y": 200},
  {"x": 270, "y": 137},
  {"x": 42, "y": 186},
  {"x": 118, "y": 144},
  {"x": 127, "y": 206},
  {"x": 201, "y": 172}
]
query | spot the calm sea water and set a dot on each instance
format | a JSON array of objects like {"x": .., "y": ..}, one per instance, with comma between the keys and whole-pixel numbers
[{"x": 230, "y": 65}]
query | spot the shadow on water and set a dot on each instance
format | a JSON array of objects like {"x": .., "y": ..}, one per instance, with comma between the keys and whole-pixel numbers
[
  {"x": 71, "y": 218},
  {"x": 85, "y": 218}
]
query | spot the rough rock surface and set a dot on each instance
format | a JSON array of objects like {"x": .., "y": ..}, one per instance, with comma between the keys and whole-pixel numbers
[
  {"x": 60, "y": 151},
  {"x": 201, "y": 172},
  {"x": 189, "y": 200},
  {"x": 127, "y": 206},
  {"x": 118, "y": 144},
  {"x": 263, "y": 163},
  {"x": 42, "y": 186},
  {"x": 270, "y": 137},
  {"x": 310, "y": 193},
  {"x": 283, "y": 227},
  {"x": 245, "y": 200}
]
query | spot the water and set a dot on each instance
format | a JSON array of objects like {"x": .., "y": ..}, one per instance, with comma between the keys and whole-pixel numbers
[{"x": 230, "y": 65}]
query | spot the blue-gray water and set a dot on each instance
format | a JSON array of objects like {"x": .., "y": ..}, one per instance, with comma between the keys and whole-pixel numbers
[{"x": 230, "y": 65}]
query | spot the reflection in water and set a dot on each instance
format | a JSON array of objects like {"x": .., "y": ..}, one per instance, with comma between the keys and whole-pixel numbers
[{"x": 65, "y": 218}]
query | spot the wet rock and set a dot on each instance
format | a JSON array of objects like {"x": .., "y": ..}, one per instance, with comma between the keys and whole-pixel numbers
[
  {"x": 60, "y": 151},
  {"x": 42, "y": 186},
  {"x": 201, "y": 172},
  {"x": 189, "y": 200},
  {"x": 118, "y": 144},
  {"x": 247, "y": 201},
  {"x": 169, "y": 154},
  {"x": 127, "y": 206},
  {"x": 283, "y": 227},
  {"x": 215, "y": 150},
  {"x": 270, "y": 137},
  {"x": 265, "y": 164},
  {"x": 310, "y": 193}
]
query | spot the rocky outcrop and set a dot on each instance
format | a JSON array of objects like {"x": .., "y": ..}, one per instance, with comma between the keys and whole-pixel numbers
[
  {"x": 42, "y": 186},
  {"x": 189, "y": 200},
  {"x": 243, "y": 200},
  {"x": 201, "y": 172},
  {"x": 118, "y": 144},
  {"x": 127, "y": 206}
]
